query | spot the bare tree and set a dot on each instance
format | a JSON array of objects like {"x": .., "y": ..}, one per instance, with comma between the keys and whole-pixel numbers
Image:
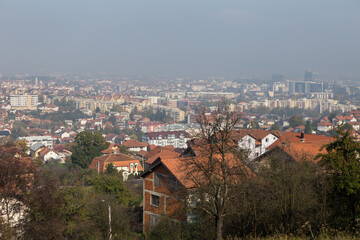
[{"x": 216, "y": 165}]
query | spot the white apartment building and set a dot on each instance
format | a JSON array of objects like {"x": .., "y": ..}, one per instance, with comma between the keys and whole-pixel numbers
[
  {"x": 178, "y": 139},
  {"x": 47, "y": 141},
  {"x": 24, "y": 102}
]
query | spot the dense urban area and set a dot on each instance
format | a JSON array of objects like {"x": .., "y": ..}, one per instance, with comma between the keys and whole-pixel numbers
[{"x": 104, "y": 157}]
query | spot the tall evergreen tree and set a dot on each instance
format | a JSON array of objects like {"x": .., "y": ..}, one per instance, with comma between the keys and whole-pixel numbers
[{"x": 343, "y": 169}]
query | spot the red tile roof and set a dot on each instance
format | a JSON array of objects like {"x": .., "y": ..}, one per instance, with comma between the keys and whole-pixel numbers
[
  {"x": 133, "y": 144},
  {"x": 298, "y": 147},
  {"x": 116, "y": 159},
  {"x": 255, "y": 133}
]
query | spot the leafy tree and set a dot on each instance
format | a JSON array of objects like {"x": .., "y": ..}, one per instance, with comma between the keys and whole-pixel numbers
[
  {"x": 17, "y": 172},
  {"x": 6, "y": 232},
  {"x": 281, "y": 197},
  {"x": 117, "y": 108},
  {"x": 296, "y": 120},
  {"x": 18, "y": 130},
  {"x": 112, "y": 184},
  {"x": 276, "y": 126},
  {"x": 347, "y": 126},
  {"x": 308, "y": 127},
  {"x": 41, "y": 98},
  {"x": 134, "y": 137},
  {"x": 124, "y": 150},
  {"x": 112, "y": 119},
  {"x": 110, "y": 169},
  {"x": 85, "y": 212},
  {"x": 44, "y": 211},
  {"x": 22, "y": 144},
  {"x": 87, "y": 145},
  {"x": 343, "y": 169}
]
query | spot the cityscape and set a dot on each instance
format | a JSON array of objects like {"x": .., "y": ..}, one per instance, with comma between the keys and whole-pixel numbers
[{"x": 210, "y": 120}]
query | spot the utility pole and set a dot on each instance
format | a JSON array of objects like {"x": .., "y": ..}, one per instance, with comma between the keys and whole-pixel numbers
[{"x": 110, "y": 234}]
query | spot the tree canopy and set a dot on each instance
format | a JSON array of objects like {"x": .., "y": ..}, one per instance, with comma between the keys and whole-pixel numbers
[
  {"x": 343, "y": 169},
  {"x": 87, "y": 145}
]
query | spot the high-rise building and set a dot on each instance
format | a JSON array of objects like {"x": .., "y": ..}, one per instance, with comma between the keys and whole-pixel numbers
[
  {"x": 311, "y": 76},
  {"x": 24, "y": 102}
]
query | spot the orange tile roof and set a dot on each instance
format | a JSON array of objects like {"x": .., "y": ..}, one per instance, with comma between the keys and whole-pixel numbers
[
  {"x": 142, "y": 153},
  {"x": 44, "y": 151},
  {"x": 102, "y": 161},
  {"x": 165, "y": 154},
  {"x": 157, "y": 150},
  {"x": 296, "y": 147},
  {"x": 113, "y": 158},
  {"x": 188, "y": 178},
  {"x": 256, "y": 133},
  {"x": 133, "y": 143}
]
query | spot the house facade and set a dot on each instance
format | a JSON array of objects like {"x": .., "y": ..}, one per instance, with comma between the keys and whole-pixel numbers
[
  {"x": 135, "y": 146},
  {"x": 255, "y": 141},
  {"x": 121, "y": 162},
  {"x": 163, "y": 193}
]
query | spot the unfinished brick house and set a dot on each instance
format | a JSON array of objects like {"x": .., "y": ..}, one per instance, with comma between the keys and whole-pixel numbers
[{"x": 164, "y": 191}]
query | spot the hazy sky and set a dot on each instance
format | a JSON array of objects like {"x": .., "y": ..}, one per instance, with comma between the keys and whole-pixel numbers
[{"x": 181, "y": 37}]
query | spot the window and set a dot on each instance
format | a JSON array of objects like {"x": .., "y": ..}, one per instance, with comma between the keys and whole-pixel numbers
[
  {"x": 157, "y": 180},
  {"x": 155, "y": 200},
  {"x": 266, "y": 139},
  {"x": 172, "y": 183}
]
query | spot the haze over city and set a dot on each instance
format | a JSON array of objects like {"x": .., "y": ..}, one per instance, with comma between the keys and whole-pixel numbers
[
  {"x": 181, "y": 120},
  {"x": 181, "y": 38}
]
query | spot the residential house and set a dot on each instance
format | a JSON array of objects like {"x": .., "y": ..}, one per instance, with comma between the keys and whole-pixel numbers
[
  {"x": 48, "y": 155},
  {"x": 255, "y": 141},
  {"x": 110, "y": 137},
  {"x": 164, "y": 192},
  {"x": 338, "y": 120},
  {"x": 62, "y": 151},
  {"x": 35, "y": 149},
  {"x": 5, "y": 133},
  {"x": 123, "y": 163},
  {"x": 135, "y": 146},
  {"x": 293, "y": 147},
  {"x": 324, "y": 126},
  {"x": 167, "y": 152}
]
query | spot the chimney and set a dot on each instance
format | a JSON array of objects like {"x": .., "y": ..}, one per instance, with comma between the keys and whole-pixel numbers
[{"x": 302, "y": 136}]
